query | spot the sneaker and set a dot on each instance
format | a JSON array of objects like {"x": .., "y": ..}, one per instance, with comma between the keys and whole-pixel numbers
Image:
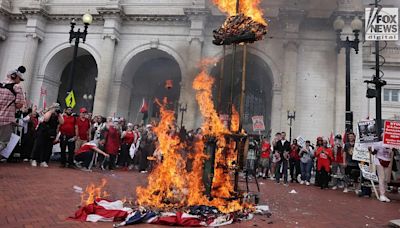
[
  {"x": 307, "y": 183},
  {"x": 86, "y": 169},
  {"x": 301, "y": 182},
  {"x": 33, "y": 163},
  {"x": 26, "y": 160},
  {"x": 383, "y": 198},
  {"x": 78, "y": 164},
  {"x": 334, "y": 187},
  {"x": 346, "y": 190},
  {"x": 272, "y": 178},
  {"x": 44, "y": 165},
  {"x": 144, "y": 171},
  {"x": 3, "y": 160}
]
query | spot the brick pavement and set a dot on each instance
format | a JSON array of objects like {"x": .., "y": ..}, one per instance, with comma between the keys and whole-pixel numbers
[{"x": 37, "y": 197}]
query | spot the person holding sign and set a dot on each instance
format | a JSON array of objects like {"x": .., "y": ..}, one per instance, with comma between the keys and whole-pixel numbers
[
  {"x": 11, "y": 99},
  {"x": 383, "y": 160}
]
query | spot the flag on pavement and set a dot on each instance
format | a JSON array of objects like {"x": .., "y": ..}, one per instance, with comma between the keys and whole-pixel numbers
[{"x": 102, "y": 211}]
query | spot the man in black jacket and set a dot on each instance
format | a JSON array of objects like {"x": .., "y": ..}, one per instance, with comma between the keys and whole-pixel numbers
[{"x": 283, "y": 148}]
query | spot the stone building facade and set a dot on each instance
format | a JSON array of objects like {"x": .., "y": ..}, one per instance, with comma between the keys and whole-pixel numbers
[{"x": 133, "y": 46}]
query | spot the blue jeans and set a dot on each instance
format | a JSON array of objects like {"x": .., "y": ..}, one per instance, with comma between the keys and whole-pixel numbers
[{"x": 306, "y": 170}]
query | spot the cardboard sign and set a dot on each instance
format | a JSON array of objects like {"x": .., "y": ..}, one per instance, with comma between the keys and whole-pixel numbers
[
  {"x": 367, "y": 173},
  {"x": 258, "y": 123},
  {"x": 10, "y": 146},
  {"x": 301, "y": 141},
  {"x": 368, "y": 131},
  {"x": 391, "y": 134},
  {"x": 361, "y": 153}
]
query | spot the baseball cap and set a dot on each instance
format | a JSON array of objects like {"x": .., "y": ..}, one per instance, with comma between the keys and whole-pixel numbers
[{"x": 82, "y": 110}]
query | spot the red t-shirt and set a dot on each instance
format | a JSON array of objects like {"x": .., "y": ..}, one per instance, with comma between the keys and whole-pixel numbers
[
  {"x": 86, "y": 148},
  {"x": 68, "y": 128},
  {"x": 339, "y": 155},
  {"x": 113, "y": 141},
  {"x": 83, "y": 128},
  {"x": 294, "y": 152},
  {"x": 128, "y": 138},
  {"x": 324, "y": 159},
  {"x": 266, "y": 150}
]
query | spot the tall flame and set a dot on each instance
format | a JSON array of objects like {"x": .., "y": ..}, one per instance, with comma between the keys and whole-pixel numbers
[
  {"x": 93, "y": 192},
  {"x": 250, "y": 8},
  {"x": 171, "y": 185}
]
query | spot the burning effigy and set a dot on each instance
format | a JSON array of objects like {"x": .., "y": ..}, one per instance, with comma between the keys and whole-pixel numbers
[{"x": 245, "y": 23}]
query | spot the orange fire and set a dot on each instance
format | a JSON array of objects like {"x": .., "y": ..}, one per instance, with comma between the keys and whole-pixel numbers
[
  {"x": 250, "y": 8},
  {"x": 93, "y": 192},
  {"x": 171, "y": 185},
  {"x": 235, "y": 120}
]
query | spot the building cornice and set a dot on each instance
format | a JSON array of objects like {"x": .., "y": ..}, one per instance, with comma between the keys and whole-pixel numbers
[{"x": 28, "y": 11}]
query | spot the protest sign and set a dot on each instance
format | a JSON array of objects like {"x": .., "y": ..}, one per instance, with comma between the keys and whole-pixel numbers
[
  {"x": 225, "y": 120},
  {"x": 258, "y": 123},
  {"x": 301, "y": 142},
  {"x": 10, "y": 146},
  {"x": 361, "y": 153},
  {"x": 391, "y": 135},
  {"x": 368, "y": 131},
  {"x": 367, "y": 173}
]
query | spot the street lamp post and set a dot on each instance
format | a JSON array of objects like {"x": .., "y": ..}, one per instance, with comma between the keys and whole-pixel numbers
[
  {"x": 77, "y": 35},
  {"x": 291, "y": 116},
  {"x": 348, "y": 44},
  {"x": 182, "y": 109}
]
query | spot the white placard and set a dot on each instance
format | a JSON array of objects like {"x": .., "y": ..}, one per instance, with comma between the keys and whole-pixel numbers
[
  {"x": 367, "y": 174},
  {"x": 300, "y": 141},
  {"x": 361, "y": 153},
  {"x": 10, "y": 146}
]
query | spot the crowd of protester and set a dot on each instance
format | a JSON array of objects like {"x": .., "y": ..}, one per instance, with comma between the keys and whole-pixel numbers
[
  {"x": 329, "y": 162},
  {"x": 88, "y": 141}
]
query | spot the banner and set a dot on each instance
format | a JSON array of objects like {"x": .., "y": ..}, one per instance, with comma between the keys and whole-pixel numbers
[
  {"x": 258, "y": 123},
  {"x": 391, "y": 134},
  {"x": 368, "y": 131},
  {"x": 6, "y": 152},
  {"x": 381, "y": 24}
]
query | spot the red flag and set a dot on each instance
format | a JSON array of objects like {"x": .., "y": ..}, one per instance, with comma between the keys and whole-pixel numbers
[
  {"x": 344, "y": 137},
  {"x": 332, "y": 139},
  {"x": 145, "y": 107}
]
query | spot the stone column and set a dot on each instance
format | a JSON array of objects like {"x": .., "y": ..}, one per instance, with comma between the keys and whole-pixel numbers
[
  {"x": 276, "y": 117},
  {"x": 291, "y": 20},
  {"x": 194, "y": 56},
  {"x": 106, "y": 69},
  {"x": 35, "y": 27}
]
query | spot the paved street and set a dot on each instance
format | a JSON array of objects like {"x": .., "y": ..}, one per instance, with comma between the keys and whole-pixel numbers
[{"x": 38, "y": 197}]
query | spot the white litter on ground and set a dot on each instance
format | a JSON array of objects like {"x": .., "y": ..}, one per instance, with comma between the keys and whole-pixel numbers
[
  {"x": 293, "y": 192},
  {"x": 77, "y": 189}
]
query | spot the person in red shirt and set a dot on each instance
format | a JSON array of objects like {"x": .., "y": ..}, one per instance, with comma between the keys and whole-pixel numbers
[
  {"x": 82, "y": 128},
  {"x": 294, "y": 161},
  {"x": 265, "y": 158},
  {"x": 84, "y": 154},
  {"x": 324, "y": 157},
  {"x": 113, "y": 142},
  {"x": 67, "y": 138},
  {"x": 338, "y": 169},
  {"x": 127, "y": 137}
]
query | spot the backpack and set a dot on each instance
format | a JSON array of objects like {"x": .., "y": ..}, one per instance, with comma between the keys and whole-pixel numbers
[{"x": 9, "y": 86}]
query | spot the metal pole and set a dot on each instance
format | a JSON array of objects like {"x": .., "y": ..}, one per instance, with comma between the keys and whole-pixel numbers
[
  {"x": 221, "y": 78},
  {"x": 72, "y": 71},
  {"x": 378, "y": 88},
  {"x": 349, "y": 114},
  {"x": 290, "y": 130},
  {"x": 232, "y": 85},
  {"x": 243, "y": 89}
]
